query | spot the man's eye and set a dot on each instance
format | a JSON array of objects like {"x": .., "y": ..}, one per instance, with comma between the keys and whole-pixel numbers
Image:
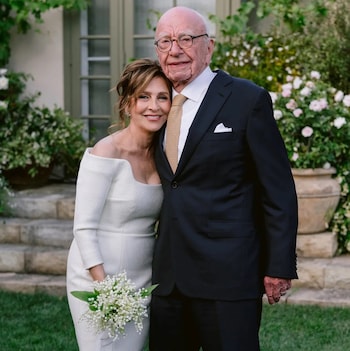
[
  {"x": 164, "y": 41},
  {"x": 185, "y": 40}
]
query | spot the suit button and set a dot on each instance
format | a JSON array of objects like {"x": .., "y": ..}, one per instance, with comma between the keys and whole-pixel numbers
[{"x": 174, "y": 184}]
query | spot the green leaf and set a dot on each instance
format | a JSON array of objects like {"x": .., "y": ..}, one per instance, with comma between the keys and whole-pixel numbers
[
  {"x": 84, "y": 295},
  {"x": 148, "y": 291}
]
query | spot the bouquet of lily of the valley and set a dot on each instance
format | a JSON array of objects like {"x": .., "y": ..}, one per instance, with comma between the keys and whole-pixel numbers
[{"x": 115, "y": 302}]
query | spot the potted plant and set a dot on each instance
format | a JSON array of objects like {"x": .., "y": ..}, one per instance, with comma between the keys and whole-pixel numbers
[
  {"x": 33, "y": 139},
  {"x": 314, "y": 120}
]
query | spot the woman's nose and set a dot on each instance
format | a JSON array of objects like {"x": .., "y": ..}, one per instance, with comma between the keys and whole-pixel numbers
[{"x": 153, "y": 104}]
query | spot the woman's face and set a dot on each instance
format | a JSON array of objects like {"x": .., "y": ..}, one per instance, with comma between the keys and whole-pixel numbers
[{"x": 150, "y": 108}]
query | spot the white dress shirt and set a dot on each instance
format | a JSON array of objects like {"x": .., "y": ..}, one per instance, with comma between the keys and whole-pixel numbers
[{"x": 194, "y": 92}]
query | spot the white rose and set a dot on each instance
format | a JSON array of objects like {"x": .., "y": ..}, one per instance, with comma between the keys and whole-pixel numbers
[
  {"x": 346, "y": 100},
  {"x": 3, "y": 104},
  {"x": 297, "y": 83},
  {"x": 315, "y": 75},
  {"x": 307, "y": 132},
  {"x": 339, "y": 96},
  {"x": 273, "y": 97},
  {"x": 306, "y": 91},
  {"x": 339, "y": 122},
  {"x": 4, "y": 83},
  {"x": 295, "y": 156},
  {"x": 277, "y": 114},
  {"x": 297, "y": 112}
]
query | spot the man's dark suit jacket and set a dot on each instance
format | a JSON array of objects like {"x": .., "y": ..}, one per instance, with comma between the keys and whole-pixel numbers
[{"x": 229, "y": 215}]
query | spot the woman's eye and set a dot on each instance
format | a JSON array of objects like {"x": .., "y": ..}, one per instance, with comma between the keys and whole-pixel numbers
[
  {"x": 163, "y": 97},
  {"x": 143, "y": 97}
]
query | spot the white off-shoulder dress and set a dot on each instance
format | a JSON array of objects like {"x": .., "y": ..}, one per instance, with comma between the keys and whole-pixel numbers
[{"x": 114, "y": 222}]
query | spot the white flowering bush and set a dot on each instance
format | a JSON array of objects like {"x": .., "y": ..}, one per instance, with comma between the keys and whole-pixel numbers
[
  {"x": 263, "y": 58},
  {"x": 32, "y": 137},
  {"x": 312, "y": 115},
  {"x": 114, "y": 303},
  {"x": 314, "y": 120}
]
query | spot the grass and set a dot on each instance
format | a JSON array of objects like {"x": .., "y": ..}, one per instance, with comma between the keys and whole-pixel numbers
[
  {"x": 305, "y": 328},
  {"x": 41, "y": 322},
  {"x": 35, "y": 323}
]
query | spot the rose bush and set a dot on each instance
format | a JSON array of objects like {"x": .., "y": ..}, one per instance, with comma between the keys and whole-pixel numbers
[
  {"x": 314, "y": 120},
  {"x": 296, "y": 39}
]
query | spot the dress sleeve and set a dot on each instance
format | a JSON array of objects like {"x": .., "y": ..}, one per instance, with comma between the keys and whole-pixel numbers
[{"x": 93, "y": 184}]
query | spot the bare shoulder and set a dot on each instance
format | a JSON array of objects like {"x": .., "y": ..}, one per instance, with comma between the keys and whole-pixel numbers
[{"x": 106, "y": 147}]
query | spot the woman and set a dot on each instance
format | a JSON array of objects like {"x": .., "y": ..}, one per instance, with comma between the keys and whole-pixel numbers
[{"x": 118, "y": 198}]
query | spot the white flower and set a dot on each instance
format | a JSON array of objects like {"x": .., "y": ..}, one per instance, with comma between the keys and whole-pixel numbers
[
  {"x": 114, "y": 303},
  {"x": 295, "y": 156},
  {"x": 3, "y": 105},
  {"x": 323, "y": 103},
  {"x": 346, "y": 100},
  {"x": 287, "y": 86},
  {"x": 310, "y": 84},
  {"x": 338, "y": 96},
  {"x": 4, "y": 83},
  {"x": 291, "y": 104},
  {"x": 273, "y": 97},
  {"x": 287, "y": 90},
  {"x": 307, "y": 132},
  {"x": 327, "y": 165},
  {"x": 315, "y": 75},
  {"x": 3, "y": 71},
  {"x": 277, "y": 114},
  {"x": 318, "y": 105},
  {"x": 297, "y": 83},
  {"x": 297, "y": 112},
  {"x": 306, "y": 91},
  {"x": 339, "y": 122}
]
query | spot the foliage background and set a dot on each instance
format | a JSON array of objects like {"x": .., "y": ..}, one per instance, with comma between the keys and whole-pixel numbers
[
  {"x": 53, "y": 133},
  {"x": 275, "y": 39}
]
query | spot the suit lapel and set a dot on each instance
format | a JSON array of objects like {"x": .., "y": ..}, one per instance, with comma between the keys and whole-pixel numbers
[
  {"x": 215, "y": 97},
  {"x": 161, "y": 159}
]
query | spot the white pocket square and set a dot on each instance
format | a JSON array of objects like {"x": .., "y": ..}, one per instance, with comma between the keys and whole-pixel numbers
[{"x": 220, "y": 128}]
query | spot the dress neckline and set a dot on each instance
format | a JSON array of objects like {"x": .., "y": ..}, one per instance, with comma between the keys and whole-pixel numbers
[{"x": 127, "y": 162}]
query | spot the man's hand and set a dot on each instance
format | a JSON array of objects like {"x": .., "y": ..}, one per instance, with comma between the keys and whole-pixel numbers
[{"x": 275, "y": 288}]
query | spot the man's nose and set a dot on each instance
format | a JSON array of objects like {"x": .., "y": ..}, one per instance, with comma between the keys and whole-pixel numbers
[{"x": 175, "y": 47}]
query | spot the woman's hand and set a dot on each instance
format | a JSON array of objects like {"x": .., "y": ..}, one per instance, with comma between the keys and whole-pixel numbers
[{"x": 97, "y": 272}]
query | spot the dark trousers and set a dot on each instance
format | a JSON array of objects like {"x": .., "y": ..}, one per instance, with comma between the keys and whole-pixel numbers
[{"x": 179, "y": 323}]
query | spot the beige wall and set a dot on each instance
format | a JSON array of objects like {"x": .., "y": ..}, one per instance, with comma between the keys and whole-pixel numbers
[{"x": 41, "y": 55}]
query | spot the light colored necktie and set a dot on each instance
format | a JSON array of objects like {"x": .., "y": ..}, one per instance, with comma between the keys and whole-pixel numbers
[{"x": 173, "y": 130}]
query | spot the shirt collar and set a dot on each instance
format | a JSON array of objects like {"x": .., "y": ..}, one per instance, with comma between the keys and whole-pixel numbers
[{"x": 196, "y": 89}]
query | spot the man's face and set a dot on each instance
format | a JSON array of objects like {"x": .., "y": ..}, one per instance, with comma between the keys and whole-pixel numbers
[{"x": 182, "y": 65}]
